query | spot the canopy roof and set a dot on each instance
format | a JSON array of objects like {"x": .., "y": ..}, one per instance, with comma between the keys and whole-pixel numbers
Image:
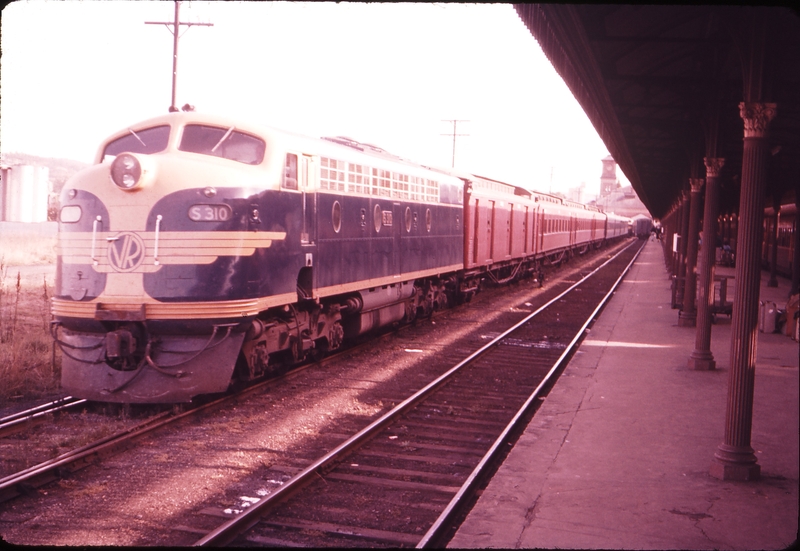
[{"x": 662, "y": 86}]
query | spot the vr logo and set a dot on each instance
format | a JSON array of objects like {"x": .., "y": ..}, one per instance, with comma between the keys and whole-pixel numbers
[{"x": 125, "y": 252}]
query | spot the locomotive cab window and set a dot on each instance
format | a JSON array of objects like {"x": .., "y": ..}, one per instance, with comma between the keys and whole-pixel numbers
[
  {"x": 290, "y": 172},
  {"x": 227, "y": 143},
  {"x": 149, "y": 140}
]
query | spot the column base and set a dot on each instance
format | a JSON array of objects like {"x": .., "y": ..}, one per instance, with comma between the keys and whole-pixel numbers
[
  {"x": 735, "y": 463},
  {"x": 729, "y": 471},
  {"x": 702, "y": 362},
  {"x": 687, "y": 319}
]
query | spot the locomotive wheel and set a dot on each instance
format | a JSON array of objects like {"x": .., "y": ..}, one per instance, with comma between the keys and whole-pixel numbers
[{"x": 335, "y": 336}]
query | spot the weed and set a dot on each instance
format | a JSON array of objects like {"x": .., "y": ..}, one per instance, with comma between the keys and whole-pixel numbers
[
  {"x": 29, "y": 365},
  {"x": 20, "y": 249}
]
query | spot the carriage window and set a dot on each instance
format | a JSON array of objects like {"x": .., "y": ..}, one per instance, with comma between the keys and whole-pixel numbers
[
  {"x": 227, "y": 143},
  {"x": 149, "y": 140}
]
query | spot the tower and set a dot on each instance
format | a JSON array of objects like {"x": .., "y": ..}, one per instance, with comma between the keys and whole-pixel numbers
[{"x": 608, "y": 179}]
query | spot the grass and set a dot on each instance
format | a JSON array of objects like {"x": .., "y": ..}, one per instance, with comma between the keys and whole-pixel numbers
[
  {"x": 29, "y": 367},
  {"x": 19, "y": 249}
]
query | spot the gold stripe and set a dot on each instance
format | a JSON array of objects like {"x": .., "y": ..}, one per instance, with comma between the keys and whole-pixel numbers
[
  {"x": 155, "y": 310},
  {"x": 173, "y": 247},
  {"x": 381, "y": 281}
]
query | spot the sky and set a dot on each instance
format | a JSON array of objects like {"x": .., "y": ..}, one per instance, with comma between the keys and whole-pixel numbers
[{"x": 74, "y": 72}]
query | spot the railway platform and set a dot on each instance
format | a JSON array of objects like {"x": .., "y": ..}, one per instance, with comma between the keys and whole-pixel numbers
[{"x": 618, "y": 455}]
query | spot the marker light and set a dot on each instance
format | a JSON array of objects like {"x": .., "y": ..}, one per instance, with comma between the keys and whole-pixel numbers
[{"x": 126, "y": 171}]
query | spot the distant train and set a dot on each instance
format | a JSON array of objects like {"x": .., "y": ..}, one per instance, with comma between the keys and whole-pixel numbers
[
  {"x": 642, "y": 226},
  {"x": 199, "y": 250},
  {"x": 787, "y": 238}
]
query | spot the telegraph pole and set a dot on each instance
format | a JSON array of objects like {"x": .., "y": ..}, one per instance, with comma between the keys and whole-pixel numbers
[
  {"x": 175, "y": 27},
  {"x": 455, "y": 123}
]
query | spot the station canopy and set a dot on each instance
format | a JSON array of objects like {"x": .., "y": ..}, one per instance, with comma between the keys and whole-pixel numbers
[{"x": 662, "y": 86}]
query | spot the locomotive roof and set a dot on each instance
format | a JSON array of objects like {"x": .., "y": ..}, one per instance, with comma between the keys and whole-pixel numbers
[{"x": 323, "y": 145}]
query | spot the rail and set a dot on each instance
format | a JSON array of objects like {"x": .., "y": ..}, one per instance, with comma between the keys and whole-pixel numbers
[{"x": 228, "y": 531}]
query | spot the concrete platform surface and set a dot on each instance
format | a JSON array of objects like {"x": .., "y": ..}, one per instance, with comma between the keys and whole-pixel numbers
[{"x": 618, "y": 455}]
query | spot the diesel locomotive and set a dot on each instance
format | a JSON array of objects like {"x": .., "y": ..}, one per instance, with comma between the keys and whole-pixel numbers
[{"x": 197, "y": 251}]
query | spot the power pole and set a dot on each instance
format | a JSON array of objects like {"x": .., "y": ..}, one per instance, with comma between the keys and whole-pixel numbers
[
  {"x": 455, "y": 122},
  {"x": 174, "y": 30}
]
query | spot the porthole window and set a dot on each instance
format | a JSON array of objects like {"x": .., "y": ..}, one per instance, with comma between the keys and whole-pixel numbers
[
  {"x": 428, "y": 219},
  {"x": 376, "y": 217},
  {"x": 336, "y": 216},
  {"x": 408, "y": 219}
]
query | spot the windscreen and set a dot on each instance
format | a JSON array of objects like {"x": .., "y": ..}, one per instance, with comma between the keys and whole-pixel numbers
[
  {"x": 227, "y": 143},
  {"x": 149, "y": 140}
]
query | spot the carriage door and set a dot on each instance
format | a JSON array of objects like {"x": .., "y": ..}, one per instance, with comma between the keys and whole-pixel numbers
[
  {"x": 525, "y": 232},
  {"x": 573, "y": 229},
  {"x": 489, "y": 229},
  {"x": 308, "y": 186}
]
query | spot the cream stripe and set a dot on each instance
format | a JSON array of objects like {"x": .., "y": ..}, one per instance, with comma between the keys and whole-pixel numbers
[{"x": 155, "y": 310}]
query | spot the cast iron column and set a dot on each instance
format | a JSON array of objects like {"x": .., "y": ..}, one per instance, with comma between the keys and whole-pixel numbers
[
  {"x": 666, "y": 240},
  {"x": 666, "y": 237},
  {"x": 683, "y": 229},
  {"x": 687, "y": 317},
  {"x": 734, "y": 459},
  {"x": 795, "y": 287},
  {"x": 702, "y": 359}
]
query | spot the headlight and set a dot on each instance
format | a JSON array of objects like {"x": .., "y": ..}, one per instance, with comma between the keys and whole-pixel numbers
[{"x": 126, "y": 171}]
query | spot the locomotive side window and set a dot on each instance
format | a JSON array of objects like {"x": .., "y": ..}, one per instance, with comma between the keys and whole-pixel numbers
[
  {"x": 431, "y": 190},
  {"x": 331, "y": 174},
  {"x": 377, "y": 218},
  {"x": 290, "y": 171},
  {"x": 336, "y": 216},
  {"x": 383, "y": 184},
  {"x": 356, "y": 178},
  {"x": 149, "y": 140},
  {"x": 399, "y": 185},
  {"x": 227, "y": 143}
]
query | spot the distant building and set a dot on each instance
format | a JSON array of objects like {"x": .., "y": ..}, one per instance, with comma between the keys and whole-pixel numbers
[
  {"x": 578, "y": 193},
  {"x": 24, "y": 193},
  {"x": 617, "y": 199}
]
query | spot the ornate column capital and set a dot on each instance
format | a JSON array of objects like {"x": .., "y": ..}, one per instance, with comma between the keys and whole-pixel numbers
[
  {"x": 757, "y": 117},
  {"x": 696, "y": 184},
  {"x": 713, "y": 166}
]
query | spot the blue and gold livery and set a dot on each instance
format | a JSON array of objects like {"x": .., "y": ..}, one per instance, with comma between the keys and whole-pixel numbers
[{"x": 198, "y": 250}]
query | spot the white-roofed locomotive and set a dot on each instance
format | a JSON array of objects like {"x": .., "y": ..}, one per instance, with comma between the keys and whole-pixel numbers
[{"x": 198, "y": 250}]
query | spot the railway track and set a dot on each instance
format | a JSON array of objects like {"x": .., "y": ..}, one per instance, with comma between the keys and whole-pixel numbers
[
  {"x": 124, "y": 434},
  {"x": 267, "y": 418},
  {"x": 24, "y": 481},
  {"x": 16, "y": 422},
  {"x": 403, "y": 479}
]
